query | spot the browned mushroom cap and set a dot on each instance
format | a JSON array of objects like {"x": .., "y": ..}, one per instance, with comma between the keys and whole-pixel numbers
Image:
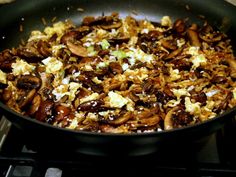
[
  {"x": 105, "y": 22},
  {"x": 6, "y": 60},
  {"x": 6, "y": 95},
  {"x": 91, "y": 106},
  {"x": 78, "y": 50},
  {"x": 34, "y": 51},
  {"x": 44, "y": 111},
  {"x": 34, "y": 105},
  {"x": 174, "y": 53},
  {"x": 171, "y": 45},
  {"x": 27, "y": 98},
  {"x": 193, "y": 36},
  {"x": 232, "y": 64},
  {"x": 114, "y": 25},
  {"x": 179, "y": 26},
  {"x": 28, "y": 82},
  {"x": 168, "y": 122},
  {"x": 75, "y": 34},
  {"x": 121, "y": 119},
  {"x": 61, "y": 112},
  {"x": 115, "y": 68},
  {"x": 44, "y": 48}
]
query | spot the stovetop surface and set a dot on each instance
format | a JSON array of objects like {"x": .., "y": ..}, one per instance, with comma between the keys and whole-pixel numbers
[{"x": 216, "y": 157}]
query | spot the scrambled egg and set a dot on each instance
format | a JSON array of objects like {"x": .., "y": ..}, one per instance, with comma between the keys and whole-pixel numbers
[
  {"x": 138, "y": 54},
  {"x": 20, "y": 67},
  {"x": 193, "y": 108},
  {"x": 166, "y": 21},
  {"x": 174, "y": 74},
  {"x": 180, "y": 92},
  {"x": 198, "y": 60},
  {"x": 57, "y": 28},
  {"x": 91, "y": 97},
  {"x": 116, "y": 100},
  {"x": 3, "y": 77},
  {"x": 52, "y": 65},
  {"x": 67, "y": 89}
]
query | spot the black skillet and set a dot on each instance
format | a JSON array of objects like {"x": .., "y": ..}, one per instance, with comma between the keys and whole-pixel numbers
[{"x": 22, "y": 16}]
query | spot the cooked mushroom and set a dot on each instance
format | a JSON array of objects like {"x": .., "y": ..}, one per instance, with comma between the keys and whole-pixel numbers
[
  {"x": 75, "y": 34},
  {"x": 121, "y": 119},
  {"x": 28, "y": 82},
  {"x": 34, "y": 105},
  {"x": 62, "y": 112},
  {"x": 105, "y": 22},
  {"x": 44, "y": 48},
  {"x": 6, "y": 60},
  {"x": 78, "y": 50},
  {"x": 179, "y": 26},
  {"x": 174, "y": 53},
  {"x": 91, "y": 106},
  {"x": 169, "y": 44},
  {"x": 45, "y": 111},
  {"x": 6, "y": 95},
  {"x": 168, "y": 121},
  {"x": 114, "y": 25},
  {"x": 193, "y": 36},
  {"x": 115, "y": 68},
  {"x": 232, "y": 64},
  {"x": 27, "y": 98},
  {"x": 32, "y": 51}
]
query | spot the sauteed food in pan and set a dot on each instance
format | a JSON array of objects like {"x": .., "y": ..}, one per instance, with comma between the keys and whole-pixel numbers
[{"x": 120, "y": 75}]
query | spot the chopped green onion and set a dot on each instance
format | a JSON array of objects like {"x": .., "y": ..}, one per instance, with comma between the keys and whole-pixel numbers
[{"x": 105, "y": 44}]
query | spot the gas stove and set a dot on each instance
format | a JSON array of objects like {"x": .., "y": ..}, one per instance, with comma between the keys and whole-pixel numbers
[{"x": 217, "y": 157}]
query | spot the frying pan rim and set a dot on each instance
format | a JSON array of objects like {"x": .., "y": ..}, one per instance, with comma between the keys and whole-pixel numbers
[{"x": 156, "y": 133}]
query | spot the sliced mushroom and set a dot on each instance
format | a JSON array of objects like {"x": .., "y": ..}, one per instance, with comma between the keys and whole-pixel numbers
[
  {"x": 78, "y": 50},
  {"x": 121, "y": 119},
  {"x": 91, "y": 106},
  {"x": 44, "y": 48},
  {"x": 6, "y": 60},
  {"x": 31, "y": 52},
  {"x": 168, "y": 122},
  {"x": 146, "y": 113},
  {"x": 105, "y": 22},
  {"x": 193, "y": 36},
  {"x": 61, "y": 112},
  {"x": 27, "y": 98},
  {"x": 169, "y": 44},
  {"x": 232, "y": 64},
  {"x": 115, "y": 68},
  {"x": 45, "y": 111},
  {"x": 174, "y": 53},
  {"x": 114, "y": 25},
  {"x": 179, "y": 26},
  {"x": 28, "y": 82},
  {"x": 34, "y": 105},
  {"x": 6, "y": 95},
  {"x": 75, "y": 34}
]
